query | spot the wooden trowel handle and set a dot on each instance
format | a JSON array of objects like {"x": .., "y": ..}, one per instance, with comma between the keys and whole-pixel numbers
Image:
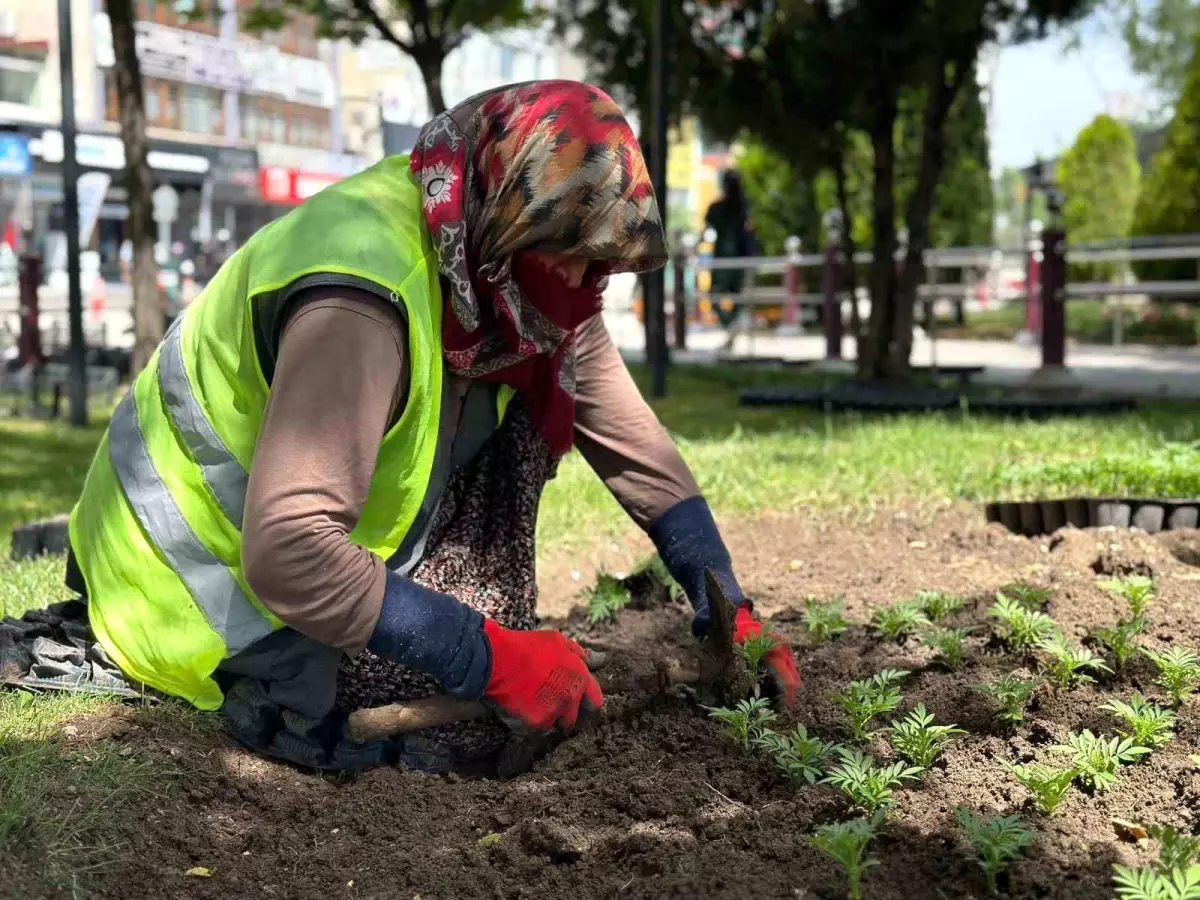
[{"x": 401, "y": 718}]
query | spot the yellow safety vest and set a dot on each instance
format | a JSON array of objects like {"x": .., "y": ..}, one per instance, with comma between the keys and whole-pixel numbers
[{"x": 157, "y": 530}]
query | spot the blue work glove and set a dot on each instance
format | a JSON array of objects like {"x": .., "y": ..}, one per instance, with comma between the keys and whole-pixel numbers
[{"x": 688, "y": 542}]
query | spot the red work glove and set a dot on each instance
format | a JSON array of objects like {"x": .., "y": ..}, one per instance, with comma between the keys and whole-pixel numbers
[
  {"x": 781, "y": 665},
  {"x": 539, "y": 679}
]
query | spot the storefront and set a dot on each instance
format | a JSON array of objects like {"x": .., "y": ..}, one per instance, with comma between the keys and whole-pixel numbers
[{"x": 288, "y": 176}]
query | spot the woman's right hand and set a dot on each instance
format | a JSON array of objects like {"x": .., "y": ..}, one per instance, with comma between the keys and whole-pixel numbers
[{"x": 539, "y": 679}]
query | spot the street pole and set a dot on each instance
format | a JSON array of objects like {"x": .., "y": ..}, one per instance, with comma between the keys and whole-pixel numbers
[
  {"x": 655, "y": 305},
  {"x": 70, "y": 175}
]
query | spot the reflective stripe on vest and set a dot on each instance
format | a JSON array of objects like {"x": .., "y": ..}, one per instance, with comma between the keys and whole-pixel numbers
[{"x": 211, "y": 583}]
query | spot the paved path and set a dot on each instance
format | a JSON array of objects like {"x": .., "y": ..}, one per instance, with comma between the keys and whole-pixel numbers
[{"x": 1134, "y": 371}]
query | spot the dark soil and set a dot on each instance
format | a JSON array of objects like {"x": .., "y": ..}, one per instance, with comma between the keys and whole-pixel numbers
[{"x": 650, "y": 801}]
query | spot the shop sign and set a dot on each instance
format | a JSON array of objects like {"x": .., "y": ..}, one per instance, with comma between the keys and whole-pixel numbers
[
  {"x": 15, "y": 161},
  {"x": 174, "y": 53},
  {"x": 102, "y": 151},
  {"x": 278, "y": 184},
  {"x": 299, "y": 79}
]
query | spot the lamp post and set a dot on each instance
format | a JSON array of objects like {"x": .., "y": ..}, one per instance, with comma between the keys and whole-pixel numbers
[{"x": 655, "y": 284}]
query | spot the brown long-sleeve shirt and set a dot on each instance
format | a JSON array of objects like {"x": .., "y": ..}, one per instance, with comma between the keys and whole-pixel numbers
[{"x": 340, "y": 381}]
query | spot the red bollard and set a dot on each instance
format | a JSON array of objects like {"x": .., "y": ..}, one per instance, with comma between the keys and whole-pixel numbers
[
  {"x": 831, "y": 307},
  {"x": 1052, "y": 297},
  {"x": 29, "y": 342}
]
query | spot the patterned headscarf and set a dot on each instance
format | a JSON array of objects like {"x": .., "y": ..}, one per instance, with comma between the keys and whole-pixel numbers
[{"x": 549, "y": 167}]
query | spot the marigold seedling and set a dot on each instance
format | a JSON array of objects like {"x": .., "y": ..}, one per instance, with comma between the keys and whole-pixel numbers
[
  {"x": 847, "y": 843},
  {"x": 1150, "y": 724},
  {"x": 744, "y": 721},
  {"x": 800, "y": 756},
  {"x": 950, "y": 644},
  {"x": 1048, "y": 785},
  {"x": 898, "y": 621},
  {"x": 1024, "y": 627},
  {"x": 868, "y": 786},
  {"x": 1013, "y": 693},
  {"x": 824, "y": 620},
  {"x": 918, "y": 740},
  {"x": 1148, "y": 884},
  {"x": 1120, "y": 640},
  {"x": 997, "y": 842},
  {"x": 937, "y": 605},
  {"x": 1175, "y": 850},
  {"x": 655, "y": 569},
  {"x": 1067, "y": 663},
  {"x": 1097, "y": 759},
  {"x": 1178, "y": 671},
  {"x": 755, "y": 649},
  {"x": 867, "y": 698},
  {"x": 606, "y": 598},
  {"x": 1136, "y": 590},
  {"x": 1029, "y": 597}
]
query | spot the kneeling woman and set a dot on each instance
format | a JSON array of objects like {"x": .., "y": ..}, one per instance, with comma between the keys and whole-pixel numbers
[{"x": 321, "y": 494}]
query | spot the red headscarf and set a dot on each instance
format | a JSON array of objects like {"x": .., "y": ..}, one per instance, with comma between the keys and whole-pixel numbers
[{"x": 543, "y": 167}]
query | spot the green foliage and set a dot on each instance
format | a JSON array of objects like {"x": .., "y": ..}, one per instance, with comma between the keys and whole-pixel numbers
[
  {"x": 847, "y": 843},
  {"x": 1150, "y": 724},
  {"x": 1136, "y": 590},
  {"x": 746, "y": 721},
  {"x": 1169, "y": 202},
  {"x": 755, "y": 649},
  {"x": 1048, "y": 785},
  {"x": 1028, "y": 596},
  {"x": 895, "y": 622},
  {"x": 1178, "y": 671},
  {"x": 656, "y": 569},
  {"x": 1013, "y": 693},
  {"x": 997, "y": 841},
  {"x": 1167, "y": 470},
  {"x": 1068, "y": 663},
  {"x": 937, "y": 605},
  {"x": 1097, "y": 759},
  {"x": 1120, "y": 639},
  {"x": 1159, "y": 35},
  {"x": 1147, "y": 884},
  {"x": 781, "y": 202},
  {"x": 868, "y": 786},
  {"x": 607, "y": 597},
  {"x": 867, "y": 698},
  {"x": 950, "y": 644},
  {"x": 824, "y": 620},
  {"x": 798, "y": 755},
  {"x": 918, "y": 740},
  {"x": 1099, "y": 176},
  {"x": 1024, "y": 627},
  {"x": 1175, "y": 850}
]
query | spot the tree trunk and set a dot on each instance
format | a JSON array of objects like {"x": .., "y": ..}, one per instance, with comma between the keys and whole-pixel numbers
[
  {"x": 430, "y": 61},
  {"x": 940, "y": 96},
  {"x": 139, "y": 182},
  {"x": 848, "y": 246},
  {"x": 873, "y": 352}
]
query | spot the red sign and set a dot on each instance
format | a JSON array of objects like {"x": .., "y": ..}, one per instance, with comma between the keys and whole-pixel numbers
[{"x": 280, "y": 185}]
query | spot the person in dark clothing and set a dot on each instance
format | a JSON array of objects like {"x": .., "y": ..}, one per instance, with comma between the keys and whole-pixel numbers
[{"x": 728, "y": 218}]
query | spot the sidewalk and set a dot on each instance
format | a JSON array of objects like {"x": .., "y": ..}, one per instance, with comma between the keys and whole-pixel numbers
[{"x": 1136, "y": 371}]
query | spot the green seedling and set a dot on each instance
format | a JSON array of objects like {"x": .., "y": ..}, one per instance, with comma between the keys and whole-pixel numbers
[
  {"x": 824, "y": 620},
  {"x": 606, "y": 598},
  {"x": 918, "y": 740},
  {"x": 798, "y": 755},
  {"x": 898, "y": 621},
  {"x": 656, "y": 570},
  {"x": 1150, "y": 724},
  {"x": 1121, "y": 640},
  {"x": 997, "y": 842},
  {"x": 755, "y": 649},
  {"x": 1031, "y": 598},
  {"x": 847, "y": 843},
  {"x": 745, "y": 721},
  {"x": 1013, "y": 693},
  {"x": 1097, "y": 759},
  {"x": 1024, "y": 627},
  {"x": 1068, "y": 664},
  {"x": 869, "y": 697},
  {"x": 937, "y": 605},
  {"x": 1178, "y": 671},
  {"x": 1147, "y": 884},
  {"x": 868, "y": 786},
  {"x": 1137, "y": 591},
  {"x": 1175, "y": 850},
  {"x": 1048, "y": 785},
  {"x": 950, "y": 644}
]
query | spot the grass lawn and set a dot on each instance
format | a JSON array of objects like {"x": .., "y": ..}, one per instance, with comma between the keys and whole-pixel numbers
[
  {"x": 55, "y": 800},
  {"x": 1088, "y": 321}
]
